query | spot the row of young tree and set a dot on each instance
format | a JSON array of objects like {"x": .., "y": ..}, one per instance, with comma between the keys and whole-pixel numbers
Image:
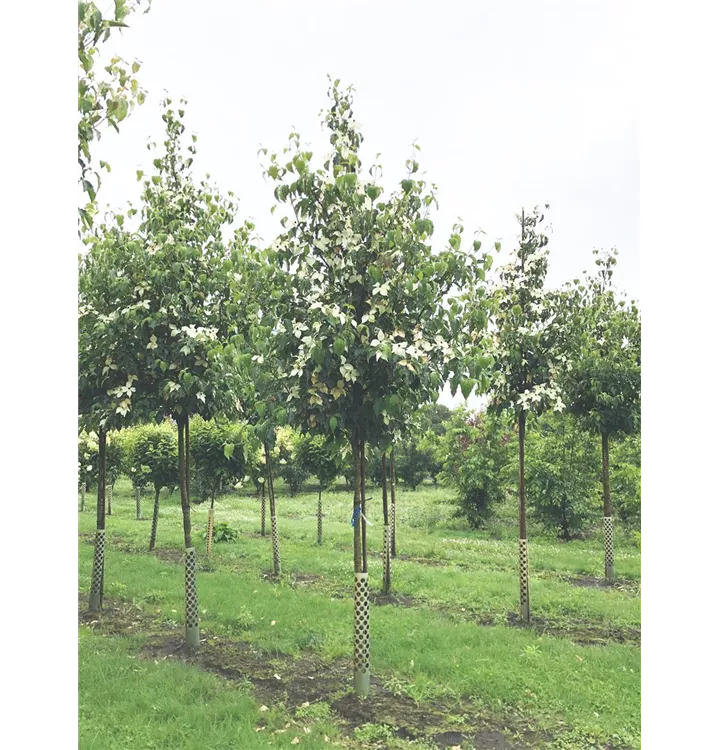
[
  {"x": 343, "y": 327},
  {"x": 474, "y": 453}
]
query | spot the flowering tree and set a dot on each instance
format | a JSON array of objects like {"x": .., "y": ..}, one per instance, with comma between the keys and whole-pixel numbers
[
  {"x": 108, "y": 363},
  {"x": 185, "y": 309},
  {"x": 259, "y": 368},
  {"x": 366, "y": 327},
  {"x": 603, "y": 385},
  {"x": 526, "y": 353},
  {"x": 104, "y": 99}
]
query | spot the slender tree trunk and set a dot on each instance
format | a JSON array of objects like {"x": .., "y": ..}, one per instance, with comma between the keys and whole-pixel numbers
[
  {"x": 361, "y": 582},
  {"x": 210, "y": 526},
  {"x": 607, "y": 518},
  {"x": 264, "y": 507},
  {"x": 319, "y": 516},
  {"x": 523, "y": 542},
  {"x": 98, "y": 560},
  {"x": 155, "y": 516},
  {"x": 83, "y": 490},
  {"x": 190, "y": 575},
  {"x": 363, "y": 507},
  {"x": 386, "y": 585},
  {"x": 276, "y": 557},
  {"x": 393, "y": 502},
  {"x": 138, "y": 503},
  {"x": 109, "y": 499}
]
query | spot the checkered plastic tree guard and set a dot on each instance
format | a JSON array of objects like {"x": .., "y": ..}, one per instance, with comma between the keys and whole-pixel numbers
[
  {"x": 210, "y": 530},
  {"x": 387, "y": 558},
  {"x": 361, "y": 626},
  {"x": 275, "y": 546},
  {"x": 138, "y": 504},
  {"x": 608, "y": 544},
  {"x": 319, "y": 520},
  {"x": 190, "y": 593},
  {"x": 524, "y": 577},
  {"x": 98, "y": 569},
  {"x": 83, "y": 490}
]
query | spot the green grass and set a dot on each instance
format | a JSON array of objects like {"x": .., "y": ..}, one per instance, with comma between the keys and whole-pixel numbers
[
  {"x": 431, "y": 650},
  {"x": 126, "y": 703}
]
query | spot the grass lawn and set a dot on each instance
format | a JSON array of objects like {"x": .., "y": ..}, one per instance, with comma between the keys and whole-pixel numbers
[{"x": 449, "y": 667}]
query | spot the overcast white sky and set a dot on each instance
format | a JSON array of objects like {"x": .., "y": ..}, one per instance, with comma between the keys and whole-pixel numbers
[{"x": 513, "y": 104}]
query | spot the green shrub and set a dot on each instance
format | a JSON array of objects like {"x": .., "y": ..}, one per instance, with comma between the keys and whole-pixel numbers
[
  {"x": 89, "y": 459},
  {"x": 625, "y": 477},
  {"x": 151, "y": 456},
  {"x": 216, "y": 456},
  {"x": 221, "y": 532},
  {"x": 293, "y": 472},
  {"x": 317, "y": 458},
  {"x": 475, "y": 453},
  {"x": 637, "y": 539},
  {"x": 563, "y": 475}
]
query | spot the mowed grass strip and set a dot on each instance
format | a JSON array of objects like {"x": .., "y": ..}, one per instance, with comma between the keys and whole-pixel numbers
[{"x": 429, "y": 655}]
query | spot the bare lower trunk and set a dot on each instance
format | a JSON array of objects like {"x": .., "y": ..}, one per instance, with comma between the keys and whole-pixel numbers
[
  {"x": 155, "y": 516},
  {"x": 607, "y": 517},
  {"x": 191, "y": 604},
  {"x": 361, "y": 583},
  {"x": 523, "y": 542},
  {"x": 276, "y": 556},
  {"x": 264, "y": 508},
  {"x": 386, "y": 553},
  {"x": 393, "y": 503},
  {"x": 98, "y": 560},
  {"x": 210, "y": 527},
  {"x": 83, "y": 490},
  {"x": 109, "y": 499},
  {"x": 319, "y": 517}
]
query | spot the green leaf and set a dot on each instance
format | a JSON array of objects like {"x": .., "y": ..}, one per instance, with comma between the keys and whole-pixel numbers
[
  {"x": 228, "y": 450},
  {"x": 467, "y": 386},
  {"x": 333, "y": 423}
]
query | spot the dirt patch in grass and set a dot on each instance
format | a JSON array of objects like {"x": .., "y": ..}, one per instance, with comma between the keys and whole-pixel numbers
[
  {"x": 434, "y": 562},
  {"x": 170, "y": 555},
  {"x": 296, "y": 580},
  {"x": 582, "y": 633},
  {"x": 296, "y": 681},
  {"x": 118, "y": 617},
  {"x": 304, "y": 579},
  {"x": 594, "y": 582},
  {"x": 397, "y": 600}
]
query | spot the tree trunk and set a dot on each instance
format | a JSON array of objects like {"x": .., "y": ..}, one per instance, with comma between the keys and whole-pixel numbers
[
  {"x": 363, "y": 507},
  {"x": 138, "y": 503},
  {"x": 155, "y": 516},
  {"x": 83, "y": 490},
  {"x": 361, "y": 583},
  {"x": 276, "y": 557},
  {"x": 264, "y": 508},
  {"x": 393, "y": 503},
  {"x": 523, "y": 542},
  {"x": 386, "y": 585},
  {"x": 98, "y": 560},
  {"x": 109, "y": 499},
  {"x": 210, "y": 527},
  {"x": 319, "y": 517},
  {"x": 190, "y": 574},
  {"x": 607, "y": 518}
]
